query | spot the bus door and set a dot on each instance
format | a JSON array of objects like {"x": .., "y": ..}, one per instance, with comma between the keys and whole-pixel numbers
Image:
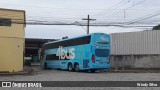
[{"x": 101, "y": 49}]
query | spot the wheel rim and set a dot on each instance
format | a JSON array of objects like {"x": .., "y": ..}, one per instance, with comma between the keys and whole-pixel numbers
[
  {"x": 70, "y": 67},
  {"x": 77, "y": 67}
]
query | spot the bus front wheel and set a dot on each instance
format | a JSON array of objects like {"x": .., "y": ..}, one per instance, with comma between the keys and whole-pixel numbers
[
  {"x": 76, "y": 67},
  {"x": 70, "y": 68}
]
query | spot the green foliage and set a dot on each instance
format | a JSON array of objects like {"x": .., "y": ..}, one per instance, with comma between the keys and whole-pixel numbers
[{"x": 156, "y": 27}]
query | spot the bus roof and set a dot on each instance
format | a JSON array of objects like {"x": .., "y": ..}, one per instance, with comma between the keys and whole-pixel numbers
[{"x": 70, "y": 38}]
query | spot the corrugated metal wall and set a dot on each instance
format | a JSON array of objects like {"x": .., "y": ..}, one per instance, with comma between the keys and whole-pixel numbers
[{"x": 135, "y": 43}]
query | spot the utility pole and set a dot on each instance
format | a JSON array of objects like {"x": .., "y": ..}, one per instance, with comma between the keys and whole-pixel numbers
[{"x": 88, "y": 19}]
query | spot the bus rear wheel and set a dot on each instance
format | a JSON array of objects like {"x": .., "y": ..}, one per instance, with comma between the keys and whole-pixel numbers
[
  {"x": 70, "y": 68},
  {"x": 76, "y": 67}
]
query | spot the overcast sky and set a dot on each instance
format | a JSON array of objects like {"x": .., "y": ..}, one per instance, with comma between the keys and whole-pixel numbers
[{"x": 69, "y": 11}]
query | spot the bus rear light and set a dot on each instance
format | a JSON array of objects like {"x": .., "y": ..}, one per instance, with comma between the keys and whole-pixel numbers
[{"x": 93, "y": 59}]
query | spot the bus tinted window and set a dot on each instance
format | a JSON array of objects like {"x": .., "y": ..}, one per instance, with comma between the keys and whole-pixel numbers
[
  {"x": 54, "y": 57},
  {"x": 102, "y": 52},
  {"x": 72, "y": 42}
]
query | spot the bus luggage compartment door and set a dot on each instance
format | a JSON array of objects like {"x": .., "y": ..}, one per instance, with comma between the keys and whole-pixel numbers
[{"x": 85, "y": 63}]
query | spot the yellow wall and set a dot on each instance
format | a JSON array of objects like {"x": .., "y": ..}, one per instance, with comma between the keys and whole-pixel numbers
[
  {"x": 12, "y": 41},
  {"x": 11, "y": 54},
  {"x": 16, "y": 30}
]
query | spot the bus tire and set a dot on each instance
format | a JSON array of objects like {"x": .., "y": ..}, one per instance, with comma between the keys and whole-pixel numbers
[
  {"x": 70, "y": 68},
  {"x": 76, "y": 67},
  {"x": 45, "y": 66}
]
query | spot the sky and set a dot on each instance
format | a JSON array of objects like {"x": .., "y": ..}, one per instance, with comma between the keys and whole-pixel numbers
[{"x": 132, "y": 13}]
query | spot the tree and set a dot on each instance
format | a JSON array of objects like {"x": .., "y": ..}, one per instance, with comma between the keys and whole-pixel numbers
[
  {"x": 65, "y": 37},
  {"x": 156, "y": 27}
]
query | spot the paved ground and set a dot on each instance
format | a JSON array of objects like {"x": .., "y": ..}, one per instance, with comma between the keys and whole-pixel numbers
[{"x": 59, "y": 75}]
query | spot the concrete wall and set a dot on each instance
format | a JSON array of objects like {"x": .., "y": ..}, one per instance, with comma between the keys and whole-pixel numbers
[
  {"x": 135, "y": 61},
  {"x": 12, "y": 41}
]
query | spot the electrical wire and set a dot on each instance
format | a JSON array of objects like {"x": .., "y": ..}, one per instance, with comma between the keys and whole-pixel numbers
[
  {"x": 144, "y": 18},
  {"x": 112, "y": 9},
  {"x": 126, "y": 8},
  {"x": 108, "y": 8}
]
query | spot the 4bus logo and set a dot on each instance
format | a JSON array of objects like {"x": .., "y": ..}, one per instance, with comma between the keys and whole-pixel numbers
[{"x": 65, "y": 53}]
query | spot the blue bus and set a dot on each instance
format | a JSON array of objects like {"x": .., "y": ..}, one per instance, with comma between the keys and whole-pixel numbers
[{"x": 88, "y": 52}]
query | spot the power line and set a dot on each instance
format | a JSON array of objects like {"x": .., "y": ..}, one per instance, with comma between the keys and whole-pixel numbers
[
  {"x": 70, "y": 24},
  {"x": 128, "y": 7},
  {"x": 113, "y": 9},
  {"x": 61, "y": 22},
  {"x": 37, "y": 22},
  {"x": 109, "y": 8},
  {"x": 81, "y": 25},
  {"x": 144, "y": 17}
]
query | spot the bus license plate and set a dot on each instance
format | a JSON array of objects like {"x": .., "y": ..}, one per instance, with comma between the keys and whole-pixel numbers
[{"x": 102, "y": 61}]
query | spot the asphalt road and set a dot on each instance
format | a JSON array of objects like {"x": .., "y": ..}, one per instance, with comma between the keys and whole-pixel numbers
[{"x": 60, "y": 75}]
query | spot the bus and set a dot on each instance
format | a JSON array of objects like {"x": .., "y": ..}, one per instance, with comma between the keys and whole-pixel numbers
[{"x": 87, "y": 52}]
